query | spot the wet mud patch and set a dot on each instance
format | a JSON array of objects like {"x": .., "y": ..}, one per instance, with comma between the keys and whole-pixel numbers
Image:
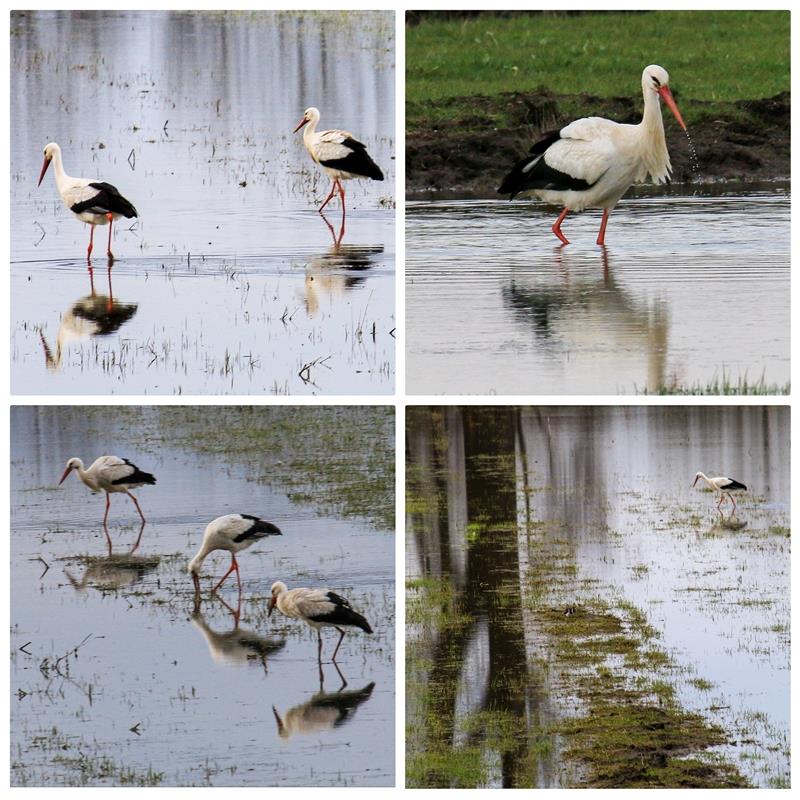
[{"x": 469, "y": 143}]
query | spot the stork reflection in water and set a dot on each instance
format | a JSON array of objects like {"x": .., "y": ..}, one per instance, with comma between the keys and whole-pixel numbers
[
  {"x": 88, "y": 317},
  {"x": 323, "y": 712}
]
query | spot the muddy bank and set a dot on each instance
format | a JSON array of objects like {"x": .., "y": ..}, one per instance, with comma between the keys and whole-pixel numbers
[{"x": 745, "y": 141}]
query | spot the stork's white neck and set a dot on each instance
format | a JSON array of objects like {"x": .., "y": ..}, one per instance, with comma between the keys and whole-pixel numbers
[
  {"x": 653, "y": 145},
  {"x": 310, "y": 130},
  {"x": 707, "y": 480},
  {"x": 62, "y": 179}
]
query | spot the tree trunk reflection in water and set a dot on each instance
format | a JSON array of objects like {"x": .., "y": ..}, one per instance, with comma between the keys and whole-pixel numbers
[{"x": 465, "y": 461}]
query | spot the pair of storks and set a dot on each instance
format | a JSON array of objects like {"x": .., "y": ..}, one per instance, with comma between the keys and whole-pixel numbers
[
  {"x": 318, "y": 608},
  {"x": 96, "y": 202}
]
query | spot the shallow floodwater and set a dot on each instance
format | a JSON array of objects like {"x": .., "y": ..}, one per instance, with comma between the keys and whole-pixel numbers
[
  {"x": 117, "y": 679},
  {"x": 607, "y": 490},
  {"x": 688, "y": 291},
  {"x": 229, "y": 281}
]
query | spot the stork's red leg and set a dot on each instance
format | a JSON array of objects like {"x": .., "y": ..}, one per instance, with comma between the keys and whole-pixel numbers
[
  {"x": 110, "y": 218},
  {"x": 328, "y": 198},
  {"x": 721, "y": 500},
  {"x": 319, "y": 646},
  {"x": 91, "y": 242},
  {"x": 734, "y": 504},
  {"x": 557, "y": 226},
  {"x": 341, "y": 194},
  {"x": 333, "y": 657},
  {"x": 108, "y": 505},
  {"x": 136, "y": 504},
  {"x": 601, "y": 237},
  {"x": 234, "y": 566}
]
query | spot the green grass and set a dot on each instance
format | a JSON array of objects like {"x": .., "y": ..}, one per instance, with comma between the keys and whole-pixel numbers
[
  {"x": 712, "y": 56},
  {"x": 726, "y": 386}
]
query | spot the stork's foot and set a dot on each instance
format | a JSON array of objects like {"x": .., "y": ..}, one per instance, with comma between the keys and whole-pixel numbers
[{"x": 557, "y": 231}]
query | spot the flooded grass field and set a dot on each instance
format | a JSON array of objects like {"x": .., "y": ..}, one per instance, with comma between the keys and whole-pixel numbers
[
  {"x": 691, "y": 294},
  {"x": 229, "y": 281},
  {"x": 577, "y": 615},
  {"x": 117, "y": 678}
]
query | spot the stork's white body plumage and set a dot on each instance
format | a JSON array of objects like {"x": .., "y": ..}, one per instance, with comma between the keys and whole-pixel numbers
[
  {"x": 318, "y": 608},
  {"x": 232, "y": 533},
  {"x": 592, "y": 162},
  {"x": 338, "y": 152},
  {"x": 89, "y": 199},
  {"x": 724, "y": 485},
  {"x": 110, "y": 474}
]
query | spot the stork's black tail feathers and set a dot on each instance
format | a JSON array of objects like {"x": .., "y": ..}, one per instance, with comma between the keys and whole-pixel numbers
[
  {"x": 137, "y": 476},
  {"x": 343, "y": 614}
]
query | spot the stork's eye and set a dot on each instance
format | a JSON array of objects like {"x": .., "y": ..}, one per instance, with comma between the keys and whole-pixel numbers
[{"x": 656, "y": 81}]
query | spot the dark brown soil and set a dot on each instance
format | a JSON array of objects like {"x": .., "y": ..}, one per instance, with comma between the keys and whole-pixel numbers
[{"x": 745, "y": 141}]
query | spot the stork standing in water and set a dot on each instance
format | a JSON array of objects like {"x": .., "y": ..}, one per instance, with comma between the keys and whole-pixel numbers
[
  {"x": 722, "y": 485},
  {"x": 338, "y": 153},
  {"x": 234, "y": 533},
  {"x": 593, "y": 161},
  {"x": 110, "y": 474},
  {"x": 318, "y": 608},
  {"x": 90, "y": 200}
]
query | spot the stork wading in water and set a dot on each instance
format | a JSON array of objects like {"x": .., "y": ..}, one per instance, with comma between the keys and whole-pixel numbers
[
  {"x": 111, "y": 474},
  {"x": 90, "y": 200},
  {"x": 233, "y": 533},
  {"x": 341, "y": 155},
  {"x": 318, "y": 608},
  {"x": 724, "y": 486},
  {"x": 593, "y": 161}
]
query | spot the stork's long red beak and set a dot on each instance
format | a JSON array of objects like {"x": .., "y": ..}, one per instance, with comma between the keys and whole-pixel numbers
[
  {"x": 271, "y": 606},
  {"x": 299, "y": 125},
  {"x": 68, "y": 469},
  {"x": 44, "y": 169},
  {"x": 666, "y": 96}
]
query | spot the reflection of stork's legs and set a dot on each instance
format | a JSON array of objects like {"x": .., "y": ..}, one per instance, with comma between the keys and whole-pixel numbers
[
  {"x": 344, "y": 680},
  {"x": 337, "y": 240},
  {"x": 91, "y": 277},
  {"x": 138, "y": 540},
  {"x": 235, "y": 612}
]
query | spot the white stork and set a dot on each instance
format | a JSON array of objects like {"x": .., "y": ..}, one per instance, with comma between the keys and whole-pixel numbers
[
  {"x": 90, "y": 200},
  {"x": 593, "y": 161},
  {"x": 338, "y": 153},
  {"x": 318, "y": 608},
  {"x": 110, "y": 474},
  {"x": 722, "y": 485},
  {"x": 234, "y": 533}
]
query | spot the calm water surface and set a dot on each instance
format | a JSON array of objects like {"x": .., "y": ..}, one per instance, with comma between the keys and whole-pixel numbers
[
  {"x": 229, "y": 281},
  {"x": 688, "y": 290},
  {"x": 211, "y": 702},
  {"x": 608, "y": 489}
]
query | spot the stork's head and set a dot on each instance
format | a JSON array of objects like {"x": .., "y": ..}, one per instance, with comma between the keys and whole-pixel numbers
[
  {"x": 278, "y": 588},
  {"x": 50, "y": 151},
  {"x": 697, "y": 478},
  {"x": 73, "y": 463},
  {"x": 310, "y": 115},
  {"x": 656, "y": 79}
]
